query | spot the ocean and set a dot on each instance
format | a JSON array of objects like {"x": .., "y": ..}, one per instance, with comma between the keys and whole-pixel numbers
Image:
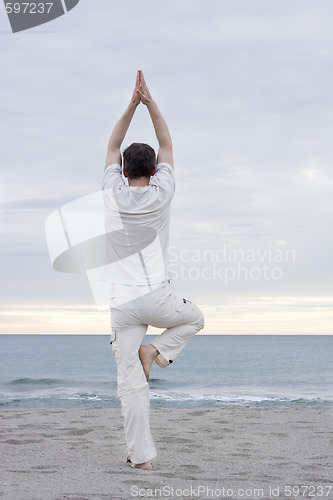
[{"x": 79, "y": 371}]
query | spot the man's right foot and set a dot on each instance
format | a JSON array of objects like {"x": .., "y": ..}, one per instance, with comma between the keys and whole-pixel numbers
[{"x": 147, "y": 355}]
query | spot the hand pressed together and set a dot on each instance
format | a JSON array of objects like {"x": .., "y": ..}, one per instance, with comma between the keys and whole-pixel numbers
[
  {"x": 141, "y": 89},
  {"x": 140, "y": 94},
  {"x": 135, "y": 97}
]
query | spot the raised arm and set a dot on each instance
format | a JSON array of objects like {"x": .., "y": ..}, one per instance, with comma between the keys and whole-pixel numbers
[
  {"x": 165, "y": 153},
  {"x": 118, "y": 134}
]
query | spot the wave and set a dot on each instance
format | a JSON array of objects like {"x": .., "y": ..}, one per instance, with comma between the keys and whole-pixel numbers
[
  {"x": 88, "y": 400},
  {"x": 31, "y": 392},
  {"x": 43, "y": 384},
  {"x": 67, "y": 397},
  {"x": 183, "y": 399},
  {"x": 157, "y": 382},
  {"x": 34, "y": 382},
  {"x": 56, "y": 392}
]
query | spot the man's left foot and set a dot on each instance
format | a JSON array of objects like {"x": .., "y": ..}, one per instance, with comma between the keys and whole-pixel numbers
[
  {"x": 143, "y": 466},
  {"x": 147, "y": 355}
]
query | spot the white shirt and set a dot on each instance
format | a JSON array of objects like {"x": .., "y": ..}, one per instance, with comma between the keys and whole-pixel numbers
[{"x": 137, "y": 223}]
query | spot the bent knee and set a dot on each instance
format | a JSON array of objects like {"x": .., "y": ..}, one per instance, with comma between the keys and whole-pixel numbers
[{"x": 200, "y": 321}]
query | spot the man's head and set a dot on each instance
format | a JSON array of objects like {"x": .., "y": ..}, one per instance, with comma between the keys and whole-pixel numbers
[{"x": 139, "y": 161}]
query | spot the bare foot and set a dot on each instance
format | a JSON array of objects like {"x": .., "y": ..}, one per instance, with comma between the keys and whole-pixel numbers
[
  {"x": 147, "y": 354},
  {"x": 143, "y": 466}
]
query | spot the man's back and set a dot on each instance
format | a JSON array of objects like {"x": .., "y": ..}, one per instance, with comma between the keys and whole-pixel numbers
[{"x": 137, "y": 225}]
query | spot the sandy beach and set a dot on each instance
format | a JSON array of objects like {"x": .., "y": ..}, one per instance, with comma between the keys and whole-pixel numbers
[{"x": 202, "y": 453}]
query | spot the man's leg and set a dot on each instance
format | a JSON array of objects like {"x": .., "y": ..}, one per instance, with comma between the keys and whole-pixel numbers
[
  {"x": 181, "y": 318},
  {"x": 133, "y": 392},
  {"x": 173, "y": 340}
]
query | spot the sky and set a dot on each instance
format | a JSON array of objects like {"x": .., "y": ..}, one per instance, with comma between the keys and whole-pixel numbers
[{"x": 245, "y": 87}]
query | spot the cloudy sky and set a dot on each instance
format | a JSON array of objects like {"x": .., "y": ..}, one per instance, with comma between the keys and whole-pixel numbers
[{"x": 246, "y": 88}]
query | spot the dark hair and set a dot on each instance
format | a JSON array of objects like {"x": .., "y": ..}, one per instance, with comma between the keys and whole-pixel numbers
[{"x": 139, "y": 160}]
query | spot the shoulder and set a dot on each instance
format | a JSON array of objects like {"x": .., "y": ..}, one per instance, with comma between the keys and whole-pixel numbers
[
  {"x": 163, "y": 171},
  {"x": 112, "y": 178},
  {"x": 164, "y": 179}
]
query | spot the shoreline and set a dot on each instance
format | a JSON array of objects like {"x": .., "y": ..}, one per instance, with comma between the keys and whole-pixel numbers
[{"x": 81, "y": 454}]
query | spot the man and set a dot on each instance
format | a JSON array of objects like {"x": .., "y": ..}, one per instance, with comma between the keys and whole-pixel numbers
[{"x": 137, "y": 218}]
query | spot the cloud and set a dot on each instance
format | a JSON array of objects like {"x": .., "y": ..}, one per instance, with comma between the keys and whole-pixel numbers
[{"x": 246, "y": 90}]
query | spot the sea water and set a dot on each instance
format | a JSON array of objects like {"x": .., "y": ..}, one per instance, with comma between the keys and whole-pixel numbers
[{"x": 79, "y": 371}]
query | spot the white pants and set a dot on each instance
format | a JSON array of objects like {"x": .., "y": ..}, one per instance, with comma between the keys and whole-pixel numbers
[{"x": 162, "y": 308}]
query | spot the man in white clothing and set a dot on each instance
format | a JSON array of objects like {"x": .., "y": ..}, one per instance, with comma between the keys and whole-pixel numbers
[{"x": 137, "y": 221}]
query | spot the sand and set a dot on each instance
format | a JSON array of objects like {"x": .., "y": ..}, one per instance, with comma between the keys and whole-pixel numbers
[{"x": 202, "y": 453}]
